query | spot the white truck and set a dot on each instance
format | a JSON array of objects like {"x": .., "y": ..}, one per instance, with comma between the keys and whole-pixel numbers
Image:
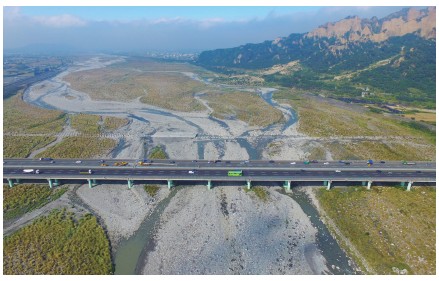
[{"x": 31, "y": 171}]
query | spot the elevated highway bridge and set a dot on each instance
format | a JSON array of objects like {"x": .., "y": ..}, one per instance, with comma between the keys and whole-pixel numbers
[{"x": 93, "y": 171}]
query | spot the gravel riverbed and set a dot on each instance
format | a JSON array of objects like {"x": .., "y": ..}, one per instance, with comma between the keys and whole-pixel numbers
[{"x": 227, "y": 230}]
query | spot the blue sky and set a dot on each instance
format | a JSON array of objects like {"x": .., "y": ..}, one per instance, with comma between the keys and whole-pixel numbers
[
  {"x": 135, "y": 13},
  {"x": 167, "y": 28}
]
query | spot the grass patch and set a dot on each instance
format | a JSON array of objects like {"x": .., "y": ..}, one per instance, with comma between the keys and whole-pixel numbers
[
  {"x": 145, "y": 79},
  {"x": 247, "y": 107},
  {"x": 58, "y": 244},
  {"x": 85, "y": 123},
  {"x": 111, "y": 123},
  {"x": 260, "y": 192},
  {"x": 22, "y": 147},
  {"x": 19, "y": 117},
  {"x": 158, "y": 152},
  {"x": 327, "y": 118},
  {"x": 379, "y": 150},
  {"x": 79, "y": 147},
  {"x": 390, "y": 227},
  {"x": 23, "y": 198},
  {"x": 151, "y": 189}
]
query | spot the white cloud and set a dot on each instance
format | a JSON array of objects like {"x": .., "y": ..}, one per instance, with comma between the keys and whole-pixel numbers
[
  {"x": 11, "y": 13},
  {"x": 60, "y": 21}
]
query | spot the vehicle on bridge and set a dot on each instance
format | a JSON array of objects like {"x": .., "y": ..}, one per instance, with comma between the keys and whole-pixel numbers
[
  {"x": 31, "y": 171},
  {"x": 369, "y": 162},
  {"x": 85, "y": 172},
  {"x": 142, "y": 163},
  {"x": 408, "y": 163},
  {"x": 122, "y": 163},
  {"x": 46, "y": 159},
  {"x": 234, "y": 173}
]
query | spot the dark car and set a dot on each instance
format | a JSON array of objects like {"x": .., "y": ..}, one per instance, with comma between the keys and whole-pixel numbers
[
  {"x": 172, "y": 162},
  {"x": 382, "y": 162},
  {"x": 271, "y": 161},
  {"x": 378, "y": 171},
  {"x": 46, "y": 159},
  {"x": 347, "y": 163},
  {"x": 314, "y": 161}
]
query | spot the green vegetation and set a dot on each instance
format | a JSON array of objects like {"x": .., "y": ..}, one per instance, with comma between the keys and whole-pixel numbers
[
  {"x": 158, "y": 152},
  {"x": 151, "y": 189},
  {"x": 144, "y": 79},
  {"x": 383, "y": 150},
  {"x": 244, "y": 106},
  {"x": 113, "y": 123},
  {"x": 22, "y": 146},
  {"x": 260, "y": 192},
  {"x": 79, "y": 147},
  {"x": 23, "y": 198},
  {"x": 85, "y": 123},
  {"x": 58, "y": 244},
  {"x": 172, "y": 91},
  {"x": 20, "y": 117},
  {"x": 320, "y": 117},
  {"x": 95, "y": 124},
  {"x": 389, "y": 226}
]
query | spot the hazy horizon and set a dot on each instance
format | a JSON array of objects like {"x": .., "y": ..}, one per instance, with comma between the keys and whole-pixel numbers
[{"x": 125, "y": 29}]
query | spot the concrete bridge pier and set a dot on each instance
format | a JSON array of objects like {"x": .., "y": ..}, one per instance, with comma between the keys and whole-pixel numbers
[
  {"x": 328, "y": 187},
  {"x": 369, "y": 184},
  {"x": 287, "y": 186},
  {"x": 50, "y": 183},
  {"x": 130, "y": 184},
  {"x": 90, "y": 184},
  {"x": 249, "y": 184},
  {"x": 170, "y": 184},
  {"x": 209, "y": 185},
  {"x": 11, "y": 183},
  {"x": 409, "y": 185}
]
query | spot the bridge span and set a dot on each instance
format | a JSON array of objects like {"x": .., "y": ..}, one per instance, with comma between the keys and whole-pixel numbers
[{"x": 94, "y": 171}]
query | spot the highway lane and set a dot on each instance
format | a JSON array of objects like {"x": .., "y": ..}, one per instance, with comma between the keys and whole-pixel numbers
[
  {"x": 226, "y": 164},
  {"x": 199, "y": 174}
]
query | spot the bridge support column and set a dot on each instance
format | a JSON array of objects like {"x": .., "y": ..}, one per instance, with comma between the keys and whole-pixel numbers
[
  {"x": 287, "y": 186},
  {"x": 11, "y": 183},
  {"x": 329, "y": 185},
  {"x": 209, "y": 185},
  {"x": 130, "y": 184},
  {"x": 90, "y": 184},
  {"x": 17, "y": 181},
  {"x": 94, "y": 182},
  {"x": 50, "y": 183},
  {"x": 409, "y": 185},
  {"x": 369, "y": 184},
  {"x": 249, "y": 184},
  {"x": 170, "y": 184},
  {"x": 56, "y": 183}
]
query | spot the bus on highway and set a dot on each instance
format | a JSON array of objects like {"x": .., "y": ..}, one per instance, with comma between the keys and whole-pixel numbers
[{"x": 235, "y": 173}]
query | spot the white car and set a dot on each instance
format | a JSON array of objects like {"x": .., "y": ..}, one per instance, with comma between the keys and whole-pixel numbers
[
  {"x": 293, "y": 163},
  {"x": 326, "y": 163},
  {"x": 78, "y": 162},
  {"x": 191, "y": 172},
  {"x": 337, "y": 171}
]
